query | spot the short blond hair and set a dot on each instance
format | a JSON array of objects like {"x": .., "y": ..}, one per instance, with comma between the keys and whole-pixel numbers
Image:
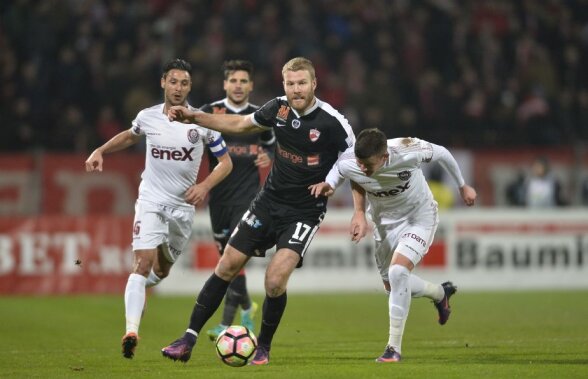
[{"x": 299, "y": 64}]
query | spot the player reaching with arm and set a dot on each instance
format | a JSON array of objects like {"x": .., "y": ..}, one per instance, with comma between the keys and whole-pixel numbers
[
  {"x": 230, "y": 199},
  {"x": 310, "y": 136},
  {"x": 405, "y": 216},
  {"x": 164, "y": 210}
]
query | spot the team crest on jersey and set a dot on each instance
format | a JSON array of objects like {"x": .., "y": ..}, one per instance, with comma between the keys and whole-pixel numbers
[
  {"x": 404, "y": 175},
  {"x": 283, "y": 113},
  {"x": 296, "y": 123},
  {"x": 314, "y": 135},
  {"x": 193, "y": 135},
  {"x": 219, "y": 110}
]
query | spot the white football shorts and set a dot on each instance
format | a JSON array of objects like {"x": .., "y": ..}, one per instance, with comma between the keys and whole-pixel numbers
[
  {"x": 412, "y": 236},
  {"x": 157, "y": 224}
]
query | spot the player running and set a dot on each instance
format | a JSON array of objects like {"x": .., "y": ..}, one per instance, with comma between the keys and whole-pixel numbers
[
  {"x": 310, "y": 137},
  {"x": 164, "y": 210},
  {"x": 405, "y": 216}
]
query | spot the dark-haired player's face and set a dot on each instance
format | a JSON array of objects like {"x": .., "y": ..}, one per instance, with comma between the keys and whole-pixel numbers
[
  {"x": 372, "y": 164},
  {"x": 299, "y": 88},
  {"x": 238, "y": 86},
  {"x": 176, "y": 87}
]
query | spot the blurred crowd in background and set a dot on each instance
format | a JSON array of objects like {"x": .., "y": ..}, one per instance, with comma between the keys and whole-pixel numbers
[{"x": 486, "y": 73}]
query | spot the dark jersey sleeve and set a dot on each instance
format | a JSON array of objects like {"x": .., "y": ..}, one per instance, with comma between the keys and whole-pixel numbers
[
  {"x": 266, "y": 115},
  {"x": 267, "y": 140}
]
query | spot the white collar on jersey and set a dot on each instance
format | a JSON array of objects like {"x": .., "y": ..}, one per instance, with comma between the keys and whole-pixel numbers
[{"x": 232, "y": 108}]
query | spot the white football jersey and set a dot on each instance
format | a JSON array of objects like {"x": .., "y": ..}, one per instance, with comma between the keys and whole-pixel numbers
[
  {"x": 399, "y": 186},
  {"x": 173, "y": 155}
]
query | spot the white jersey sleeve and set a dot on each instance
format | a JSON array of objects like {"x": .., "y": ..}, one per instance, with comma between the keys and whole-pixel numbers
[
  {"x": 136, "y": 124},
  {"x": 448, "y": 162},
  {"x": 334, "y": 177}
]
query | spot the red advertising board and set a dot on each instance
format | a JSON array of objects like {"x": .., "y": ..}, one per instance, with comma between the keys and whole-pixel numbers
[
  {"x": 69, "y": 189},
  {"x": 65, "y": 254},
  {"x": 17, "y": 184}
]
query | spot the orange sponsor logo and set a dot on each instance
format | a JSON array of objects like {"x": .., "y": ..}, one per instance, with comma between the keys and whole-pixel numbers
[{"x": 283, "y": 113}]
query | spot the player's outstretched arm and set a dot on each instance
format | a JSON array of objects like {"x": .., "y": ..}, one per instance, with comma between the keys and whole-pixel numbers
[
  {"x": 448, "y": 162},
  {"x": 468, "y": 194},
  {"x": 197, "y": 193},
  {"x": 224, "y": 123},
  {"x": 120, "y": 141}
]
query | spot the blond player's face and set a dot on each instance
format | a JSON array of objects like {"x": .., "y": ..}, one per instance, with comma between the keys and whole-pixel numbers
[
  {"x": 238, "y": 86},
  {"x": 299, "y": 89},
  {"x": 176, "y": 87},
  {"x": 372, "y": 164}
]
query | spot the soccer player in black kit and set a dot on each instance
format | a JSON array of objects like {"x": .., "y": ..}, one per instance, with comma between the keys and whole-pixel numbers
[
  {"x": 310, "y": 136},
  {"x": 230, "y": 199}
]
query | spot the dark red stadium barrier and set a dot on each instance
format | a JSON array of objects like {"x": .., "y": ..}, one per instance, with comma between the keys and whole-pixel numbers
[{"x": 64, "y": 254}]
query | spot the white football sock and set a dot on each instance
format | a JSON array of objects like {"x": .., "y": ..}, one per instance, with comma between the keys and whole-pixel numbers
[
  {"x": 152, "y": 279},
  {"x": 398, "y": 304},
  {"x": 420, "y": 288},
  {"x": 134, "y": 301}
]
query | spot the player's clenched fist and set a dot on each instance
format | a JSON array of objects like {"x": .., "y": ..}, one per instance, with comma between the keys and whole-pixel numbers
[{"x": 94, "y": 161}]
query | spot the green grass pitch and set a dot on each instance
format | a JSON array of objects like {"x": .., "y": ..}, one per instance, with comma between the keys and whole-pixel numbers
[{"x": 489, "y": 335}]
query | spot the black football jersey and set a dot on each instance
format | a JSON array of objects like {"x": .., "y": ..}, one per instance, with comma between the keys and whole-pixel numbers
[
  {"x": 307, "y": 147},
  {"x": 243, "y": 183}
]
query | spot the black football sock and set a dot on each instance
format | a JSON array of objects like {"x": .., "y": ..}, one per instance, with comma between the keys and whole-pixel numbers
[
  {"x": 207, "y": 302},
  {"x": 273, "y": 309},
  {"x": 231, "y": 305},
  {"x": 240, "y": 286}
]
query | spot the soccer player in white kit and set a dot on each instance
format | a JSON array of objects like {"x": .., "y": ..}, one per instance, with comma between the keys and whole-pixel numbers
[
  {"x": 164, "y": 210},
  {"x": 388, "y": 173}
]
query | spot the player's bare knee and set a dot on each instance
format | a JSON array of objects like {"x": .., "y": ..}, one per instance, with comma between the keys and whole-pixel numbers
[
  {"x": 227, "y": 269},
  {"x": 142, "y": 266},
  {"x": 275, "y": 285}
]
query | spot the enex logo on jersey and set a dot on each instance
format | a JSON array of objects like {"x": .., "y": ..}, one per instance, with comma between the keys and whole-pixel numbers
[
  {"x": 393, "y": 192},
  {"x": 172, "y": 155}
]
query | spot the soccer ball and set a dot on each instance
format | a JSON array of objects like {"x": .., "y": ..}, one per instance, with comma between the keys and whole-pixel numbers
[{"x": 236, "y": 345}]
